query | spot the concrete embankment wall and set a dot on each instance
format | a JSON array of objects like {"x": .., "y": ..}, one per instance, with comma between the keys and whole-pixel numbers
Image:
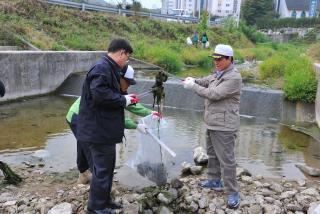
[
  {"x": 30, "y": 73},
  {"x": 317, "y": 104},
  {"x": 257, "y": 102}
]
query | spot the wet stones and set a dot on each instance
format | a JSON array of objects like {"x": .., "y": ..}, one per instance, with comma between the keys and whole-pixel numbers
[
  {"x": 200, "y": 155},
  {"x": 309, "y": 170},
  {"x": 63, "y": 208},
  {"x": 176, "y": 183}
]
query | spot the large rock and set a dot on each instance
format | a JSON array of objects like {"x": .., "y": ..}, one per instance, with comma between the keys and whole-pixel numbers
[
  {"x": 165, "y": 197},
  {"x": 131, "y": 208},
  {"x": 196, "y": 170},
  {"x": 63, "y": 208},
  {"x": 185, "y": 167},
  {"x": 176, "y": 183},
  {"x": 200, "y": 155},
  {"x": 314, "y": 208},
  {"x": 165, "y": 210},
  {"x": 309, "y": 170},
  {"x": 317, "y": 103}
]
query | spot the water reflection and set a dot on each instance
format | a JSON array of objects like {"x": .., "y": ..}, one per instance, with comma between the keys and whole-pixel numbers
[
  {"x": 263, "y": 147},
  {"x": 29, "y": 122}
]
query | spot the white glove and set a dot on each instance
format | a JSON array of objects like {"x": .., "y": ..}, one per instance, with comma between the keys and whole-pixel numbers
[
  {"x": 131, "y": 99},
  {"x": 142, "y": 128},
  {"x": 188, "y": 83}
]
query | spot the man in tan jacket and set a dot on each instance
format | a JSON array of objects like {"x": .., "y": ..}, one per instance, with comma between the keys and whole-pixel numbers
[{"x": 221, "y": 91}]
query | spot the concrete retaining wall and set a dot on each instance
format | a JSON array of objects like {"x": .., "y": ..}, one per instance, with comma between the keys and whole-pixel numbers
[
  {"x": 30, "y": 73},
  {"x": 257, "y": 102},
  {"x": 317, "y": 68}
]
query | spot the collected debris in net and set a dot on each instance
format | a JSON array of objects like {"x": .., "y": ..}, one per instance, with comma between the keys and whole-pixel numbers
[
  {"x": 155, "y": 172},
  {"x": 10, "y": 176},
  {"x": 158, "y": 89}
]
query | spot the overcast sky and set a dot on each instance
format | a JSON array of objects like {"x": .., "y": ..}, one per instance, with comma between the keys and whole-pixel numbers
[{"x": 151, "y": 3}]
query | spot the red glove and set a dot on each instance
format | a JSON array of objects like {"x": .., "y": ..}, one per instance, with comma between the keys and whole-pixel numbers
[
  {"x": 156, "y": 115},
  {"x": 131, "y": 99}
]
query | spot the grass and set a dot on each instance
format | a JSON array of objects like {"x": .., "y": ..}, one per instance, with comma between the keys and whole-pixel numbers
[
  {"x": 194, "y": 72},
  {"x": 292, "y": 71},
  {"x": 314, "y": 52},
  {"x": 51, "y": 27}
]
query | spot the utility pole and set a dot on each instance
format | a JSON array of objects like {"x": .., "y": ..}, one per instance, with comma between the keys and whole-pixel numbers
[
  {"x": 238, "y": 12},
  {"x": 199, "y": 9}
]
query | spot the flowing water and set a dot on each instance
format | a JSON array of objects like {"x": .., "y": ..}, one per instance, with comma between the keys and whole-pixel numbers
[{"x": 263, "y": 147}]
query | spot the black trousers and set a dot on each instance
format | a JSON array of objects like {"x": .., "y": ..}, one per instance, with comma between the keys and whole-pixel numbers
[
  {"x": 83, "y": 153},
  {"x": 103, "y": 164}
]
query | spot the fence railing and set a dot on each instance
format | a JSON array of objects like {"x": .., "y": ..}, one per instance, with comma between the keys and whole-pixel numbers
[{"x": 84, "y": 6}]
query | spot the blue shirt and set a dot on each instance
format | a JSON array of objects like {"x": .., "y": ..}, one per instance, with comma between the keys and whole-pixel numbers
[{"x": 218, "y": 74}]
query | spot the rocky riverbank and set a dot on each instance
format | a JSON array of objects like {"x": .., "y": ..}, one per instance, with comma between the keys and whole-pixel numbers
[{"x": 53, "y": 193}]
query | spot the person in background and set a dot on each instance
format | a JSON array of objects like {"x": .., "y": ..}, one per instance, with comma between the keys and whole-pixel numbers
[
  {"x": 204, "y": 39},
  {"x": 195, "y": 39},
  {"x": 221, "y": 91}
]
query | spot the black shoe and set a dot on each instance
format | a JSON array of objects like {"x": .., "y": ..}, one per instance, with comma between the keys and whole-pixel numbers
[
  {"x": 114, "y": 205},
  {"x": 105, "y": 211}
]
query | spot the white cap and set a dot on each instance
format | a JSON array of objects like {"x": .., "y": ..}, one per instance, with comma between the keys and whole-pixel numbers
[
  {"x": 129, "y": 75},
  {"x": 222, "y": 50}
]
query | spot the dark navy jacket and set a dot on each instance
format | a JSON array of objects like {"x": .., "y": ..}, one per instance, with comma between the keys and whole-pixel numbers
[{"x": 101, "y": 113}]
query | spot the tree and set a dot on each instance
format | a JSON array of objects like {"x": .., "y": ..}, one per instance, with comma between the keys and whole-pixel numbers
[
  {"x": 203, "y": 24},
  {"x": 253, "y": 11},
  {"x": 136, "y": 6}
]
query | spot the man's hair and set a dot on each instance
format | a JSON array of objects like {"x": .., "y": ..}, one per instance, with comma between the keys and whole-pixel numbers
[
  {"x": 120, "y": 44},
  {"x": 229, "y": 57}
]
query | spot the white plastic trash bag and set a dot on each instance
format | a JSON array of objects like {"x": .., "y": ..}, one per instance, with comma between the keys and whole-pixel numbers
[
  {"x": 207, "y": 44},
  {"x": 189, "y": 41},
  {"x": 150, "y": 157}
]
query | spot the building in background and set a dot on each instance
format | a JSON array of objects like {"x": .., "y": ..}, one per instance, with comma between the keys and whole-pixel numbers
[
  {"x": 298, "y": 8},
  {"x": 221, "y": 8},
  {"x": 224, "y": 8},
  {"x": 178, "y": 7}
]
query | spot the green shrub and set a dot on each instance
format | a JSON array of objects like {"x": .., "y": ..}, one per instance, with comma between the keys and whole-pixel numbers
[
  {"x": 140, "y": 50},
  {"x": 245, "y": 54},
  {"x": 262, "y": 53},
  {"x": 273, "y": 67},
  {"x": 166, "y": 58},
  {"x": 299, "y": 81},
  {"x": 252, "y": 33},
  {"x": 194, "y": 56},
  {"x": 57, "y": 47},
  {"x": 288, "y": 22},
  {"x": 238, "y": 56},
  {"x": 314, "y": 52}
]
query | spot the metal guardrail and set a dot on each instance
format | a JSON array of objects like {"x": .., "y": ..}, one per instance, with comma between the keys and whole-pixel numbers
[{"x": 84, "y": 6}]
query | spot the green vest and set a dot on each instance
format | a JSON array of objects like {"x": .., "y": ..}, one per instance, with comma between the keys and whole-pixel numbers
[
  {"x": 136, "y": 109},
  {"x": 74, "y": 109}
]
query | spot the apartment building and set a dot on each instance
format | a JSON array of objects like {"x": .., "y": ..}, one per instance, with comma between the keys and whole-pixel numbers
[
  {"x": 219, "y": 8},
  {"x": 178, "y": 7},
  {"x": 223, "y": 8}
]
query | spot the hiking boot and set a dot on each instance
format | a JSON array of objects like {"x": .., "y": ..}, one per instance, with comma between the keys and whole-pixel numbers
[
  {"x": 85, "y": 177},
  {"x": 212, "y": 184},
  {"x": 233, "y": 200}
]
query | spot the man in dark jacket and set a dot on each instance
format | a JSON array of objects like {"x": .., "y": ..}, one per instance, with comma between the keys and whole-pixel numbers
[{"x": 101, "y": 121}]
